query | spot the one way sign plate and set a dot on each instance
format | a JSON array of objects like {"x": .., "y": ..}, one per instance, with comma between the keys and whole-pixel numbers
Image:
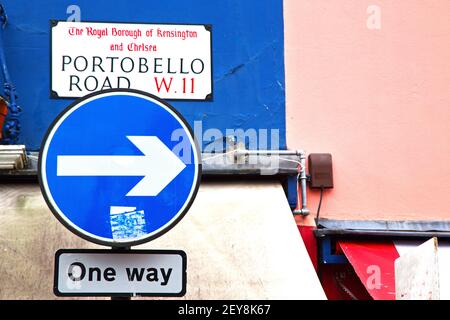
[{"x": 81, "y": 272}]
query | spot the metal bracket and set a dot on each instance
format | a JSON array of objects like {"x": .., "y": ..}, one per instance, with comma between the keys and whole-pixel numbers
[{"x": 327, "y": 252}]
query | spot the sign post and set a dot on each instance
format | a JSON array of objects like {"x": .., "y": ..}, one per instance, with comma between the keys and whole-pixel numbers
[
  {"x": 114, "y": 298},
  {"x": 119, "y": 168}
]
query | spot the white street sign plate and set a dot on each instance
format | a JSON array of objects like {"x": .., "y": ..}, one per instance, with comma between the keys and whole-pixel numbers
[
  {"x": 171, "y": 61},
  {"x": 81, "y": 272}
]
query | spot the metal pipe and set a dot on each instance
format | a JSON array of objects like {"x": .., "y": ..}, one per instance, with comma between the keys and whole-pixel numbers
[
  {"x": 304, "y": 211},
  {"x": 271, "y": 152}
]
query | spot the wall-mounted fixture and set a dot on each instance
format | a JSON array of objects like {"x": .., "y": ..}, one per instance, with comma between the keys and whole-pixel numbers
[
  {"x": 320, "y": 167},
  {"x": 320, "y": 176},
  {"x": 320, "y": 170}
]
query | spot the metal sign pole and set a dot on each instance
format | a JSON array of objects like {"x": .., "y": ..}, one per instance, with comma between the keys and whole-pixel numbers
[{"x": 120, "y": 249}]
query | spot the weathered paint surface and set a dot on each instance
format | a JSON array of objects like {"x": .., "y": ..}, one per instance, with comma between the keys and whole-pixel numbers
[
  {"x": 404, "y": 247},
  {"x": 29, "y": 238},
  {"x": 248, "y": 58},
  {"x": 240, "y": 239},
  {"x": 417, "y": 273},
  {"x": 373, "y": 262},
  {"x": 378, "y": 100}
]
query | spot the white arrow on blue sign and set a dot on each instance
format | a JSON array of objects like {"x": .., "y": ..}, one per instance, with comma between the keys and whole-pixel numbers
[
  {"x": 119, "y": 167},
  {"x": 158, "y": 164}
]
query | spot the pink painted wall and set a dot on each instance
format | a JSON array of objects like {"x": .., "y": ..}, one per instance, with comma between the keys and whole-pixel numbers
[{"x": 377, "y": 100}]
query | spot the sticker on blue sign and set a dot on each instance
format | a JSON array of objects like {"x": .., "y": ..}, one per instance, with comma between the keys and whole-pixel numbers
[
  {"x": 119, "y": 167},
  {"x": 127, "y": 222}
]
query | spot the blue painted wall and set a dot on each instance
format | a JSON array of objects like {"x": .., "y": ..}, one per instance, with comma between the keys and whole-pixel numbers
[{"x": 248, "y": 58}]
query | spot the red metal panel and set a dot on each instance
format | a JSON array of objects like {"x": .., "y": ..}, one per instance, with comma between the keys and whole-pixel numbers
[
  {"x": 307, "y": 233},
  {"x": 3, "y": 113},
  {"x": 374, "y": 264}
]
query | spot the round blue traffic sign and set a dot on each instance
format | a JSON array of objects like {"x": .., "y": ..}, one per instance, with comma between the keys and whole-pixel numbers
[{"x": 119, "y": 167}]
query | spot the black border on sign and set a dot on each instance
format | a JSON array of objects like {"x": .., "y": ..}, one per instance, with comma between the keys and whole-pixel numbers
[
  {"x": 55, "y": 212},
  {"x": 119, "y": 294},
  {"x": 208, "y": 27}
]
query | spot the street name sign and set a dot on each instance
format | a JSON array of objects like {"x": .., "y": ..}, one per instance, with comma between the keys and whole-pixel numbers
[{"x": 172, "y": 61}]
